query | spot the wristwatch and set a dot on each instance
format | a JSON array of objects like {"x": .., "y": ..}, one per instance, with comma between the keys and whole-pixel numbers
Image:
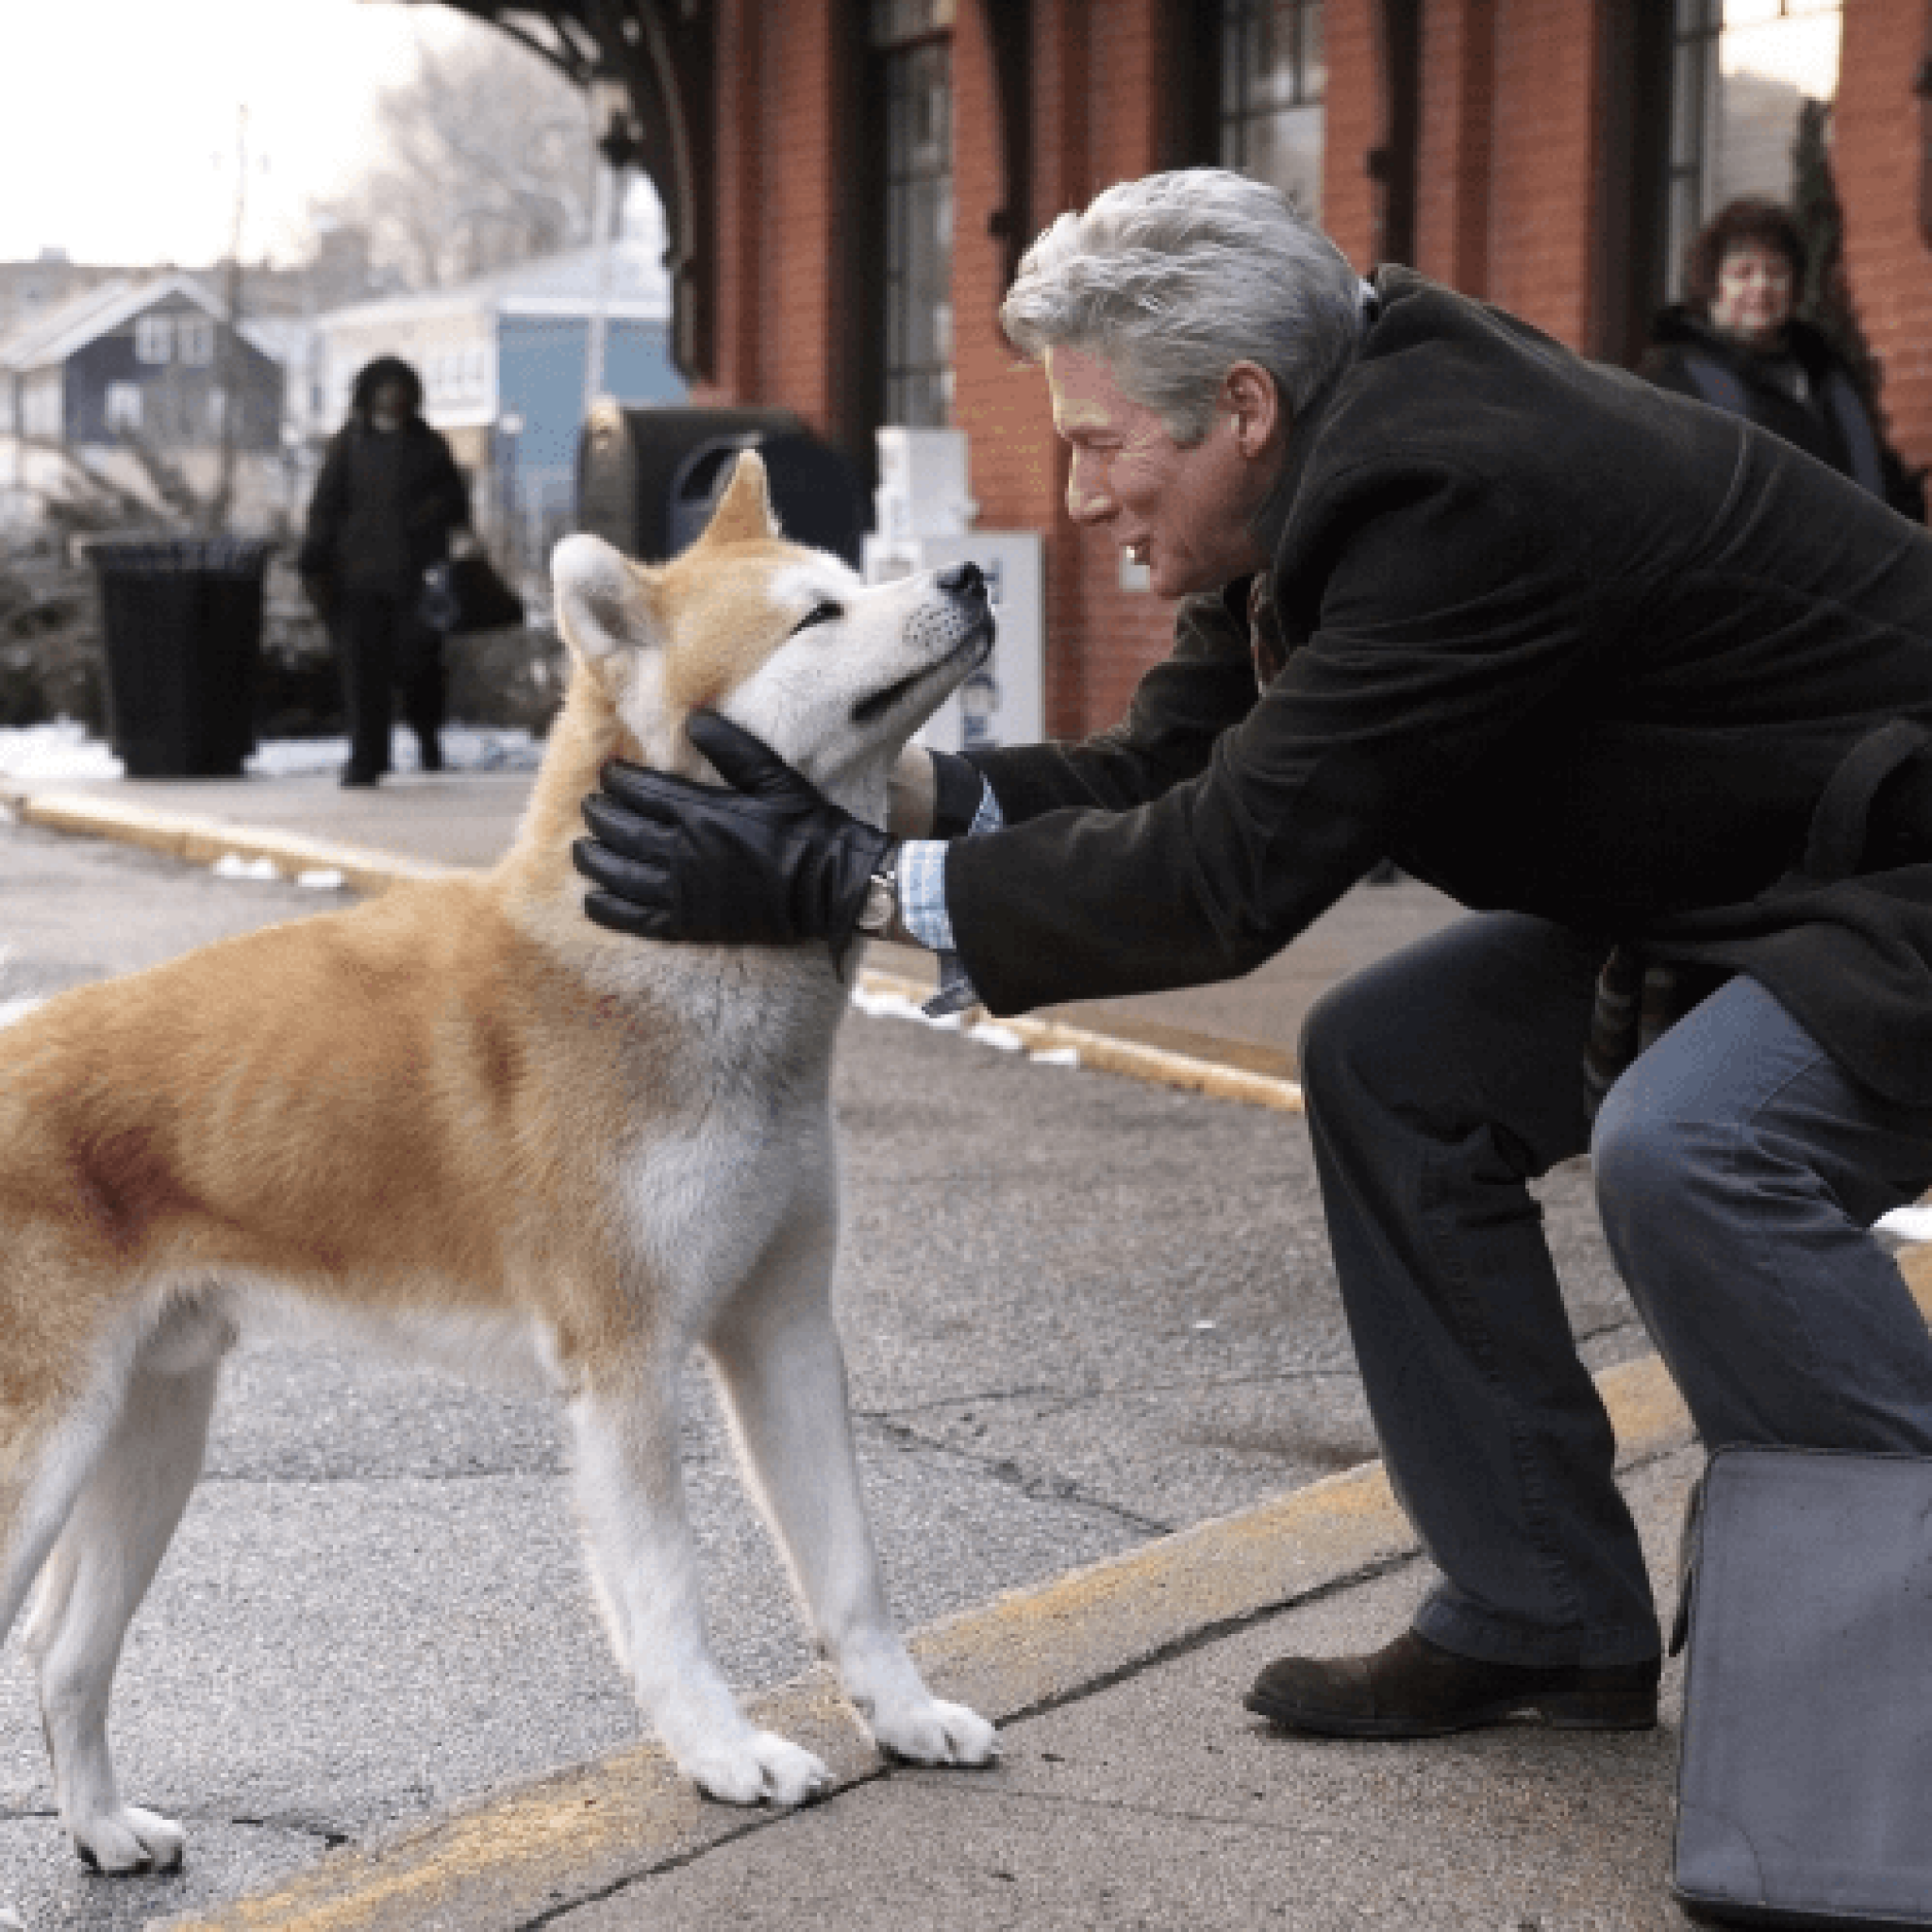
[{"x": 881, "y": 907}]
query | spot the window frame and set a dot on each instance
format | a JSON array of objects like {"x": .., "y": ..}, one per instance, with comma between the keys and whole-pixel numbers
[
  {"x": 154, "y": 337},
  {"x": 902, "y": 36},
  {"x": 1239, "y": 110}
]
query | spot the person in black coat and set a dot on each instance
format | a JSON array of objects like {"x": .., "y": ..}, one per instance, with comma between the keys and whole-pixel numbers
[
  {"x": 1736, "y": 342},
  {"x": 385, "y": 504},
  {"x": 1645, "y": 688}
]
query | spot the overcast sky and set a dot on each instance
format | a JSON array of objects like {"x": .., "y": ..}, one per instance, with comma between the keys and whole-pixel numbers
[{"x": 118, "y": 118}]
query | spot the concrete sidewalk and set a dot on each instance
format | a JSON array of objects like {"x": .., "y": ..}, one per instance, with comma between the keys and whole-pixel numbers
[{"x": 1134, "y": 1791}]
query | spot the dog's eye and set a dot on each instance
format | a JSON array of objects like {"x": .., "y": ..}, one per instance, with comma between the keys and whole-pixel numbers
[{"x": 818, "y": 613}]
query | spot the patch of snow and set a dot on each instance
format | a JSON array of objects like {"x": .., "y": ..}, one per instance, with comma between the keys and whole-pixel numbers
[
  {"x": 51, "y": 754},
  {"x": 1004, "y": 1038},
  {"x": 885, "y": 1006},
  {"x": 895, "y": 1005},
  {"x": 12, "y": 1011},
  {"x": 324, "y": 878},
  {"x": 231, "y": 865},
  {"x": 1056, "y": 1056},
  {"x": 1906, "y": 1227}
]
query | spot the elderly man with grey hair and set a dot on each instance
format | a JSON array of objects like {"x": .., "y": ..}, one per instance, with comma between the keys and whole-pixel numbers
[{"x": 1645, "y": 688}]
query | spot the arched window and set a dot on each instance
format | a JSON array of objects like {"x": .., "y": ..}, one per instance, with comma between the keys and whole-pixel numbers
[{"x": 1272, "y": 81}]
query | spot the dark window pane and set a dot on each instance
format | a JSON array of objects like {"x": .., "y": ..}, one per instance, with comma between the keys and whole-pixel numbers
[
  {"x": 918, "y": 232},
  {"x": 1273, "y": 78}
]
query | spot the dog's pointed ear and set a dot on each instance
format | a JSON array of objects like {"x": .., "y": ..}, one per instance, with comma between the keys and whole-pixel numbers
[
  {"x": 744, "y": 514},
  {"x": 604, "y": 602}
]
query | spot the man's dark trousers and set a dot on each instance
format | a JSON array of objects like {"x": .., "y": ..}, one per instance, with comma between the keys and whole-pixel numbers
[
  {"x": 383, "y": 645},
  {"x": 1737, "y": 1172}
]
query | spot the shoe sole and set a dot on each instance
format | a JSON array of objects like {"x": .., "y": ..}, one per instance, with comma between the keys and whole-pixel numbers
[{"x": 1561, "y": 1712}]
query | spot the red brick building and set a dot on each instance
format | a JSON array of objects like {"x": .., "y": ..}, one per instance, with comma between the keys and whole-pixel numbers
[{"x": 850, "y": 182}]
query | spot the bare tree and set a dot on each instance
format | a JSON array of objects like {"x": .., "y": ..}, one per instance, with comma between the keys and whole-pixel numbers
[{"x": 486, "y": 159}]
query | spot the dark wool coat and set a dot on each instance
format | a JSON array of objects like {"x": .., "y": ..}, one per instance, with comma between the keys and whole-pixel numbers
[
  {"x": 383, "y": 508},
  {"x": 1828, "y": 420},
  {"x": 1563, "y": 642}
]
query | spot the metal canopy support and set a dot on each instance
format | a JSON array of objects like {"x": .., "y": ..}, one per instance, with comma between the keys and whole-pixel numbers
[{"x": 650, "y": 67}]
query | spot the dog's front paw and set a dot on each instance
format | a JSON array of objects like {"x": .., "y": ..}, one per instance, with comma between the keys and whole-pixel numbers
[
  {"x": 933, "y": 1732},
  {"x": 127, "y": 1840},
  {"x": 760, "y": 1769}
]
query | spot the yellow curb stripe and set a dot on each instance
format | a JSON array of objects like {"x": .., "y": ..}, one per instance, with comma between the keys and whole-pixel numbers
[
  {"x": 203, "y": 841},
  {"x": 1158, "y": 1065},
  {"x": 573, "y": 1836}
]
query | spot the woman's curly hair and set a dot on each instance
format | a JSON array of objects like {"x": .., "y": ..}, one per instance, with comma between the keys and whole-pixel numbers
[{"x": 1751, "y": 218}]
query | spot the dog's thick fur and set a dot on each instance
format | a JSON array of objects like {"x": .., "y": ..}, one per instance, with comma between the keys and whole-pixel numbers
[{"x": 466, "y": 1118}]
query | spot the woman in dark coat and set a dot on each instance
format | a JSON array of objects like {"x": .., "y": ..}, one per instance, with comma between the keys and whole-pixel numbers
[
  {"x": 388, "y": 496},
  {"x": 1736, "y": 342}
]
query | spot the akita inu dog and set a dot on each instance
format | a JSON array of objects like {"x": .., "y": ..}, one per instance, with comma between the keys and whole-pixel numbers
[{"x": 465, "y": 1117}]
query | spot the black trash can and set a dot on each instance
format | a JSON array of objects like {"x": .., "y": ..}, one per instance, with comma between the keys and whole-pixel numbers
[
  {"x": 649, "y": 477},
  {"x": 182, "y": 621}
]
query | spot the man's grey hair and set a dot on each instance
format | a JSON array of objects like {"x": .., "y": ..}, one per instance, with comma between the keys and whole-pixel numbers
[{"x": 1174, "y": 278}]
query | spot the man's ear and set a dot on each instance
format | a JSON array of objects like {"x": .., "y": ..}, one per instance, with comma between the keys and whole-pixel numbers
[
  {"x": 1253, "y": 405},
  {"x": 606, "y": 605}
]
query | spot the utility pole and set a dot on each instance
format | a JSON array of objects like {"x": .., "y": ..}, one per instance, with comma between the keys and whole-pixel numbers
[
  {"x": 227, "y": 358},
  {"x": 607, "y": 224}
]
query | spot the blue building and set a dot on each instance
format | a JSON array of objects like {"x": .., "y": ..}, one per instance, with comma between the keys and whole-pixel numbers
[{"x": 508, "y": 363}]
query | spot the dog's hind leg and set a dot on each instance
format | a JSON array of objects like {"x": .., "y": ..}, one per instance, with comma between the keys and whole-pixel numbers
[
  {"x": 778, "y": 1357},
  {"x": 630, "y": 1494},
  {"x": 113, "y": 1542}
]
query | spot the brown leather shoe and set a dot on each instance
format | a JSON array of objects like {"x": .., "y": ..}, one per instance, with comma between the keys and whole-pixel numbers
[{"x": 1415, "y": 1689}]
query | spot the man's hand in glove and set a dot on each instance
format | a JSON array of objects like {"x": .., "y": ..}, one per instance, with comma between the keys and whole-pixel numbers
[{"x": 770, "y": 862}]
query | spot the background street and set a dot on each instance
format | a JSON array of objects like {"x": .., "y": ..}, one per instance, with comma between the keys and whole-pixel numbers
[{"x": 1080, "y": 1312}]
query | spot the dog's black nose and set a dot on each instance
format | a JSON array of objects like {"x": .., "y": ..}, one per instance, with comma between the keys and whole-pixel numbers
[{"x": 963, "y": 578}]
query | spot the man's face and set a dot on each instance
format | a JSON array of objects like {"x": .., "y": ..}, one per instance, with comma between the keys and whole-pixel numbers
[
  {"x": 1182, "y": 512},
  {"x": 1754, "y": 291}
]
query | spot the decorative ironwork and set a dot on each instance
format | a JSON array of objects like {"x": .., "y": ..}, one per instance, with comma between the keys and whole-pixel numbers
[{"x": 649, "y": 66}]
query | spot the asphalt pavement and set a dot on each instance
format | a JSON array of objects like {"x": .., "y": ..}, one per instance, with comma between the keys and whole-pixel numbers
[{"x": 1114, "y": 1445}]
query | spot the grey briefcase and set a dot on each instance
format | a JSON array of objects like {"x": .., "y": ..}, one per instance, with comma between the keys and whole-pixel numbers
[{"x": 1804, "y": 1789}]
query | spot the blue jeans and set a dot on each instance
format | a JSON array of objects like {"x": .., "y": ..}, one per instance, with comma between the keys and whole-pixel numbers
[{"x": 1738, "y": 1172}]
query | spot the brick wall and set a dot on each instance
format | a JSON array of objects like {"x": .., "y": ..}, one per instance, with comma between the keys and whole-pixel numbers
[
  {"x": 1508, "y": 180},
  {"x": 1459, "y": 61},
  {"x": 1876, "y": 158},
  {"x": 1354, "y": 126},
  {"x": 1542, "y": 164}
]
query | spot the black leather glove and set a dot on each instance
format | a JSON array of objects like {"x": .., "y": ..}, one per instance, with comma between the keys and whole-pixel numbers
[{"x": 770, "y": 863}]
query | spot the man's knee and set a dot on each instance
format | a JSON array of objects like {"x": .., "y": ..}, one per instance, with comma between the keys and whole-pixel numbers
[
  {"x": 1650, "y": 1166},
  {"x": 1337, "y": 1036}
]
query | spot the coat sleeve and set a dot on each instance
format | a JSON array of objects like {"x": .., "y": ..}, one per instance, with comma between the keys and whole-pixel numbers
[
  {"x": 326, "y": 509},
  {"x": 444, "y": 504},
  {"x": 1206, "y": 684},
  {"x": 1449, "y": 608}
]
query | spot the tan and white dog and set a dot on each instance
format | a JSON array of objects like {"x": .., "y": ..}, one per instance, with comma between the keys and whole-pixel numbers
[{"x": 465, "y": 1119}]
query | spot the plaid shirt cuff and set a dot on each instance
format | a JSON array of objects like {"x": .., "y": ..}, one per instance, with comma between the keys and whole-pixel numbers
[{"x": 922, "y": 906}]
